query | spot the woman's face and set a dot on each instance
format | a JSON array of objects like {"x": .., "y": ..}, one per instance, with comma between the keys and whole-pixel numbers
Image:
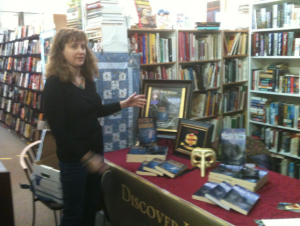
[
  {"x": 155, "y": 96},
  {"x": 74, "y": 53}
]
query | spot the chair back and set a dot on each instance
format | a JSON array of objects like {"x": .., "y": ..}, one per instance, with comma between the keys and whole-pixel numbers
[{"x": 47, "y": 146}]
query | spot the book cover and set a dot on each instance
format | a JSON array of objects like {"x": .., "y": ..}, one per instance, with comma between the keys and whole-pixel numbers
[
  {"x": 141, "y": 171},
  {"x": 200, "y": 194},
  {"x": 218, "y": 192},
  {"x": 233, "y": 146},
  {"x": 147, "y": 131},
  {"x": 150, "y": 167},
  {"x": 250, "y": 177},
  {"x": 140, "y": 154},
  {"x": 240, "y": 199},
  {"x": 294, "y": 207},
  {"x": 225, "y": 171},
  {"x": 171, "y": 168}
]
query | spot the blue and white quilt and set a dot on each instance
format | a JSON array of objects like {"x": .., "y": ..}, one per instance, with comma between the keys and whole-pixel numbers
[{"x": 119, "y": 78}]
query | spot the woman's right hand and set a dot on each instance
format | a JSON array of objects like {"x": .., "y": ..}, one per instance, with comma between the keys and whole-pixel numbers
[{"x": 95, "y": 163}]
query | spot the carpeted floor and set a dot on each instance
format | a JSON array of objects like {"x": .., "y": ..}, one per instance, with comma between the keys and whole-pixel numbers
[{"x": 11, "y": 146}]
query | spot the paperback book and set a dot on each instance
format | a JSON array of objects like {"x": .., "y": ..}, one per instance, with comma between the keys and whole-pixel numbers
[
  {"x": 233, "y": 146},
  {"x": 151, "y": 166},
  {"x": 294, "y": 207},
  {"x": 218, "y": 192},
  {"x": 200, "y": 194},
  {"x": 171, "y": 168},
  {"x": 141, "y": 171},
  {"x": 147, "y": 129},
  {"x": 240, "y": 199},
  {"x": 140, "y": 154}
]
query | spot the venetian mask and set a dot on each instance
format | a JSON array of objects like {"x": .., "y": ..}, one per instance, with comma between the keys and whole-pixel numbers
[{"x": 203, "y": 158}]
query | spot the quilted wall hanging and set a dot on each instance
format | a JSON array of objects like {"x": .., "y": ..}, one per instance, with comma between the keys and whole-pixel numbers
[{"x": 119, "y": 78}]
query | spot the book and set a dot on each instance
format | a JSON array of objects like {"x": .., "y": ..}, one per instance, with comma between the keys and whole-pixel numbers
[
  {"x": 294, "y": 207},
  {"x": 147, "y": 129},
  {"x": 171, "y": 168},
  {"x": 233, "y": 146},
  {"x": 141, "y": 171},
  {"x": 225, "y": 171},
  {"x": 150, "y": 167},
  {"x": 140, "y": 154},
  {"x": 218, "y": 192},
  {"x": 200, "y": 194},
  {"x": 240, "y": 199}
]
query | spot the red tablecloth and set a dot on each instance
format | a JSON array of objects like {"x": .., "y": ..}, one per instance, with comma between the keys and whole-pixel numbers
[{"x": 279, "y": 188}]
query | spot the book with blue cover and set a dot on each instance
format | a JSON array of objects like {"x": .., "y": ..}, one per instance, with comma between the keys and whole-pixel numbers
[
  {"x": 147, "y": 129},
  {"x": 150, "y": 167},
  {"x": 240, "y": 199},
  {"x": 171, "y": 168},
  {"x": 218, "y": 192},
  {"x": 200, "y": 194},
  {"x": 143, "y": 172},
  {"x": 250, "y": 177},
  {"x": 233, "y": 146},
  {"x": 140, "y": 154},
  {"x": 225, "y": 171}
]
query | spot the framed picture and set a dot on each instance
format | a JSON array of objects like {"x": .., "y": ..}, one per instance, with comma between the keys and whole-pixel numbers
[
  {"x": 191, "y": 135},
  {"x": 167, "y": 101}
]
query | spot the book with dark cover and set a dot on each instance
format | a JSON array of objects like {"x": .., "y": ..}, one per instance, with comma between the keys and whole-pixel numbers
[
  {"x": 141, "y": 171},
  {"x": 233, "y": 146},
  {"x": 192, "y": 134},
  {"x": 147, "y": 131},
  {"x": 140, "y": 154},
  {"x": 207, "y": 24},
  {"x": 246, "y": 178},
  {"x": 218, "y": 192},
  {"x": 171, "y": 168},
  {"x": 200, "y": 194},
  {"x": 150, "y": 167},
  {"x": 240, "y": 199},
  {"x": 225, "y": 171}
]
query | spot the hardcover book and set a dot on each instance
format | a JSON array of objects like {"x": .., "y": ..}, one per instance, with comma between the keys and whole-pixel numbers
[
  {"x": 233, "y": 146},
  {"x": 171, "y": 168},
  {"x": 141, "y": 171},
  {"x": 240, "y": 199},
  {"x": 200, "y": 194},
  {"x": 218, "y": 192},
  {"x": 150, "y": 167},
  {"x": 140, "y": 154},
  {"x": 147, "y": 131}
]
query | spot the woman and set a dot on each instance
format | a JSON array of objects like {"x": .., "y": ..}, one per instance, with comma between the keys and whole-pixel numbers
[{"x": 72, "y": 107}]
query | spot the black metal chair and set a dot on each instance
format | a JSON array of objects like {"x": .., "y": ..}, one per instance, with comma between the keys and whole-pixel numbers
[{"x": 27, "y": 158}]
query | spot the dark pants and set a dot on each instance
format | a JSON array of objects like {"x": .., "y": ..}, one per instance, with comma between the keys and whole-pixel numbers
[{"x": 80, "y": 194}]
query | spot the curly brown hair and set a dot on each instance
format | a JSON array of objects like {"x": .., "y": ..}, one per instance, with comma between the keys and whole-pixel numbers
[{"x": 58, "y": 66}]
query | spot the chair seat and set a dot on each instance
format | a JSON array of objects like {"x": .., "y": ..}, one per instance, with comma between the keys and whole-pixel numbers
[{"x": 53, "y": 205}]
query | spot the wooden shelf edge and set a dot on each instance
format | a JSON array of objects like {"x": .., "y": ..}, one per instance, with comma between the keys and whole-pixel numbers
[
  {"x": 235, "y": 56},
  {"x": 157, "y": 64},
  {"x": 206, "y": 117},
  {"x": 199, "y": 91},
  {"x": 232, "y": 112},
  {"x": 234, "y": 83},
  {"x": 150, "y": 29},
  {"x": 198, "y": 61}
]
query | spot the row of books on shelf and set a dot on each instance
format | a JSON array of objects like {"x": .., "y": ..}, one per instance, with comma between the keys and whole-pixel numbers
[
  {"x": 153, "y": 48},
  {"x": 20, "y": 32},
  {"x": 275, "y": 44},
  {"x": 278, "y": 140},
  {"x": 279, "y": 15},
  {"x": 18, "y": 125},
  {"x": 207, "y": 104},
  {"x": 275, "y": 113},
  {"x": 235, "y": 98},
  {"x": 235, "y": 44},
  {"x": 161, "y": 72},
  {"x": 235, "y": 70},
  {"x": 234, "y": 122},
  {"x": 21, "y": 96},
  {"x": 22, "y": 47},
  {"x": 21, "y": 64},
  {"x": 194, "y": 47},
  {"x": 285, "y": 166},
  {"x": 25, "y": 80},
  {"x": 205, "y": 76}
]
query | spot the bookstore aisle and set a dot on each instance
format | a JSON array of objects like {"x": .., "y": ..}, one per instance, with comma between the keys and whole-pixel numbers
[{"x": 10, "y": 147}]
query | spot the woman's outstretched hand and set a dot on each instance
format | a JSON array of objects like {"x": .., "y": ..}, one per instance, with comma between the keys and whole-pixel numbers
[{"x": 134, "y": 101}]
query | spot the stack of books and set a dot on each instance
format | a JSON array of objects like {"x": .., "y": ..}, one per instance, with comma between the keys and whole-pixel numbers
[
  {"x": 227, "y": 196},
  {"x": 251, "y": 179},
  {"x": 74, "y": 17},
  {"x": 140, "y": 154},
  {"x": 112, "y": 13},
  {"x": 207, "y": 25},
  {"x": 155, "y": 167},
  {"x": 93, "y": 14}
]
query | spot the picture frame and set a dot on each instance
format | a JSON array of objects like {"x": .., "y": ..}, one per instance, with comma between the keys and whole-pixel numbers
[
  {"x": 167, "y": 101},
  {"x": 192, "y": 134}
]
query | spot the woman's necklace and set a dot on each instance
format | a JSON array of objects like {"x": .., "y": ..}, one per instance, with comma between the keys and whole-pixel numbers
[{"x": 81, "y": 84}]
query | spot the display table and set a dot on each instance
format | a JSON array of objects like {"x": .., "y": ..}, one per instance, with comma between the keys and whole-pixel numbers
[{"x": 279, "y": 188}]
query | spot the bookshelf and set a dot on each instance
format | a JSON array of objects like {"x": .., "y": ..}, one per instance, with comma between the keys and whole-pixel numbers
[
  {"x": 277, "y": 129},
  {"x": 21, "y": 85}
]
